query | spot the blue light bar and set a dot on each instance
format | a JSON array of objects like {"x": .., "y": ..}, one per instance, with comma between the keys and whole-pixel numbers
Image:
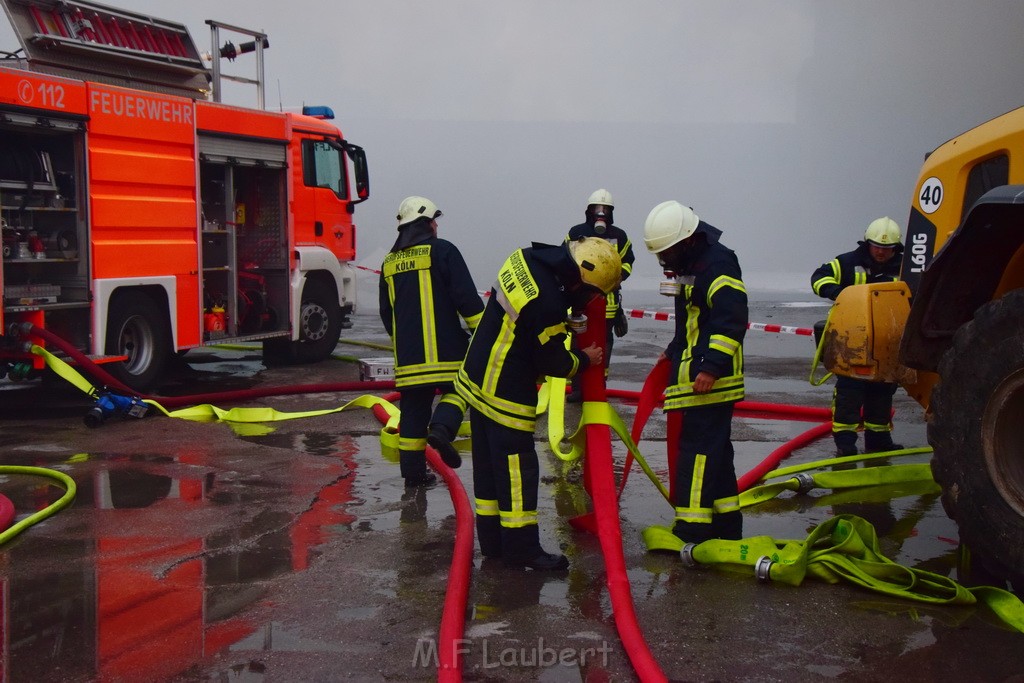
[{"x": 318, "y": 112}]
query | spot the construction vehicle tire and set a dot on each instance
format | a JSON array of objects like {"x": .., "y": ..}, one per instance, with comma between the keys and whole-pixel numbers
[
  {"x": 976, "y": 435},
  {"x": 137, "y": 327},
  {"x": 320, "y": 322}
]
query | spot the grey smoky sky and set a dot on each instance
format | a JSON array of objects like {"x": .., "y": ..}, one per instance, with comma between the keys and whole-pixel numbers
[{"x": 788, "y": 124}]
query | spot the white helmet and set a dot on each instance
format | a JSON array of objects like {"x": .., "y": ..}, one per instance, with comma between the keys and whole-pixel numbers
[
  {"x": 599, "y": 262},
  {"x": 415, "y": 207},
  {"x": 668, "y": 223},
  {"x": 603, "y": 197},
  {"x": 883, "y": 232}
]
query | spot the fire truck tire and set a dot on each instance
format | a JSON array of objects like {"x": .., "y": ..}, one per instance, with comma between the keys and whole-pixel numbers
[
  {"x": 138, "y": 328},
  {"x": 975, "y": 432},
  {"x": 320, "y": 320}
]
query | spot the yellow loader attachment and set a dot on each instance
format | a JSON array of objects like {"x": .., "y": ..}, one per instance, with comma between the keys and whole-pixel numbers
[{"x": 862, "y": 336}]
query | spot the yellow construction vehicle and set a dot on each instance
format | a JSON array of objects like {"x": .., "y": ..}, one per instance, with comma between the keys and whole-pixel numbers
[{"x": 958, "y": 347}]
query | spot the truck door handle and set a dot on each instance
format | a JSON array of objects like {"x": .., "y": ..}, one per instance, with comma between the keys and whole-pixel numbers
[{"x": 318, "y": 228}]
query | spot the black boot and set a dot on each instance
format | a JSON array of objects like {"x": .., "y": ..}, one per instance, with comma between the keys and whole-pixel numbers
[
  {"x": 441, "y": 440},
  {"x": 881, "y": 445},
  {"x": 425, "y": 480},
  {"x": 542, "y": 562}
]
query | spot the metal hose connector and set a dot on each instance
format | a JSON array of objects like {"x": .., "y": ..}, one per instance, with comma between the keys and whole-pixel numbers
[{"x": 687, "y": 555}]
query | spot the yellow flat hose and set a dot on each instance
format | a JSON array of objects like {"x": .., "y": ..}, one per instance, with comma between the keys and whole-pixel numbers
[{"x": 69, "y": 495}]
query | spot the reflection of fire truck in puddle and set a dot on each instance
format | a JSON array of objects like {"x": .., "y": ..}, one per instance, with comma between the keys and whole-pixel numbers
[
  {"x": 140, "y": 218},
  {"x": 147, "y": 599}
]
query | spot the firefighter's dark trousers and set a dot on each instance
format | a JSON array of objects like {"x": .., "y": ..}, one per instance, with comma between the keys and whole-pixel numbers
[
  {"x": 849, "y": 398},
  {"x": 417, "y": 415},
  {"x": 506, "y": 476},
  {"x": 704, "y": 492}
]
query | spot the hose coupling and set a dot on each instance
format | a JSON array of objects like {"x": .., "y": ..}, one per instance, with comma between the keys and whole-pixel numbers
[
  {"x": 763, "y": 568},
  {"x": 805, "y": 482},
  {"x": 686, "y": 554}
]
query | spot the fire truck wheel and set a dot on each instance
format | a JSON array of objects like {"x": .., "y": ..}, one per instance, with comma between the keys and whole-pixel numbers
[
  {"x": 976, "y": 436},
  {"x": 138, "y": 328},
  {"x": 319, "y": 329}
]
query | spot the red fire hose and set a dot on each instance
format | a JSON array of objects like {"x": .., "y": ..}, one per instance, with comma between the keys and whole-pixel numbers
[{"x": 600, "y": 482}]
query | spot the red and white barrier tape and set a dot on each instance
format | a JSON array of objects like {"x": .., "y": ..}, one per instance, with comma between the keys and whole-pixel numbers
[
  {"x": 658, "y": 315},
  {"x": 760, "y": 327}
]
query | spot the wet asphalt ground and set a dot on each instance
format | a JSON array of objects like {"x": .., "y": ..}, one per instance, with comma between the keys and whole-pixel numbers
[{"x": 290, "y": 551}]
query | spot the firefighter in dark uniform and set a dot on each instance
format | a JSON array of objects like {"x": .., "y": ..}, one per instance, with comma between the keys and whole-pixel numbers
[
  {"x": 876, "y": 259},
  {"x": 425, "y": 287},
  {"x": 521, "y": 339},
  {"x": 600, "y": 223},
  {"x": 707, "y": 368}
]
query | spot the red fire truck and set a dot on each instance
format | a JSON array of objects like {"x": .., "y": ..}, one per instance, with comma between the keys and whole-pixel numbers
[{"x": 143, "y": 217}]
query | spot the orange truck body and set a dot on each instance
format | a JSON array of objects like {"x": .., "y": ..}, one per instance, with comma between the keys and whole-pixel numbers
[{"x": 192, "y": 204}]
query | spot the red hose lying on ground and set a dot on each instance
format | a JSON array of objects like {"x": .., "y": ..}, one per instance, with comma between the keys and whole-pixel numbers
[
  {"x": 106, "y": 379},
  {"x": 6, "y": 512},
  {"x": 780, "y": 453},
  {"x": 453, "y": 617}
]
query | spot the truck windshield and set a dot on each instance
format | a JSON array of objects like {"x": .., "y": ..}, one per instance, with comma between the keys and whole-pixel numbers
[{"x": 324, "y": 166}]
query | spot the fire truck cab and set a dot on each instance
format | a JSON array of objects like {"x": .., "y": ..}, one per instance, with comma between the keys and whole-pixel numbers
[{"x": 142, "y": 217}]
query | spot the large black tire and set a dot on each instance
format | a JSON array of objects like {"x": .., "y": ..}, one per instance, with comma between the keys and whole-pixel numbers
[
  {"x": 138, "y": 328},
  {"x": 320, "y": 321},
  {"x": 977, "y": 434}
]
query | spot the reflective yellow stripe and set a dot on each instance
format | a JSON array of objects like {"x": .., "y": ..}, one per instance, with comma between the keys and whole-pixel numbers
[
  {"x": 517, "y": 516},
  {"x": 522, "y": 418},
  {"x": 473, "y": 320},
  {"x": 724, "y": 281},
  {"x": 720, "y": 342},
  {"x": 834, "y": 280},
  {"x": 694, "y": 515},
  {"x": 697, "y": 482},
  {"x": 499, "y": 351},
  {"x": 843, "y": 427},
  {"x": 454, "y": 399},
  {"x": 516, "y": 409},
  {"x": 622, "y": 254},
  {"x": 725, "y": 390},
  {"x": 874, "y": 427},
  {"x": 486, "y": 508},
  {"x": 427, "y": 317},
  {"x": 412, "y": 444},
  {"x": 545, "y": 336},
  {"x": 516, "y": 520},
  {"x": 729, "y": 504},
  {"x": 448, "y": 366},
  {"x": 436, "y": 373}
]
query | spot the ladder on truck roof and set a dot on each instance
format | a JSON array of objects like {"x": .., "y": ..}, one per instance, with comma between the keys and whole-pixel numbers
[{"x": 82, "y": 39}]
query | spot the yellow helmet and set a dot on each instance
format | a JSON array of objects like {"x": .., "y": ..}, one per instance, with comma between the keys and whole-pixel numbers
[
  {"x": 599, "y": 262},
  {"x": 668, "y": 223},
  {"x": 883, "y": 232},
  {"x": 414, "y": 207}
]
